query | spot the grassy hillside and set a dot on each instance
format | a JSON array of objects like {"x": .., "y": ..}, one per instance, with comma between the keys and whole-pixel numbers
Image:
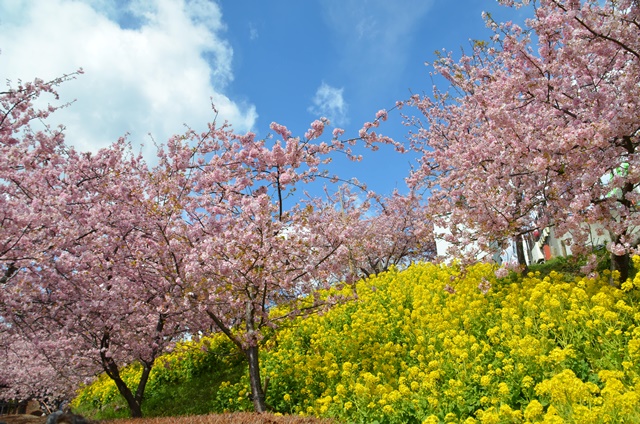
[
  {"x": 441, "y": 344},
  {"x": 182, "y": 383}
]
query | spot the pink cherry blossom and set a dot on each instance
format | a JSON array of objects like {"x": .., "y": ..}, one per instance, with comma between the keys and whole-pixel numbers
[{"x": 540, "y": 128}]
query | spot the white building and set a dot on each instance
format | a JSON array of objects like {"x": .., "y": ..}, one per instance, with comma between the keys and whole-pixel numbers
[{"x": 537, "y": 247}]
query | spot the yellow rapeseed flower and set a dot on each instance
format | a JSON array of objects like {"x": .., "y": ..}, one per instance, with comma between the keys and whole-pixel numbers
[{"x": 533, "y": 410}]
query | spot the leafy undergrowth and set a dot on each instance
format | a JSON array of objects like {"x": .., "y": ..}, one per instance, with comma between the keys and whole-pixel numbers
[
  {"x": 183, "y": 382},
  {"x": 572, "y": 265},
  {"x": 446, "y": 344}
]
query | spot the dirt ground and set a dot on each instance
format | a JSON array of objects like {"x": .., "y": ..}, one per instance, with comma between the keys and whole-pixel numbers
[
  {"x": 22, "y": 419},
  {"x": 236, "y": 418}
]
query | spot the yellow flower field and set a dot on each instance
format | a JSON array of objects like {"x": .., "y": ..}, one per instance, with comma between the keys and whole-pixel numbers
[
  {"x": 439, "y": 344},
  {"x": 428, "y": 345}
]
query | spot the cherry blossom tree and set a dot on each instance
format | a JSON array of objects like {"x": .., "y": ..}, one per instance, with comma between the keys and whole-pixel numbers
[
  {"x": 536, "y": 125},
  {"x": 482, "y": 193},
  {"x": 253, "y": 245},
  {"x": 107, "y": 261},
  {"x": 108, "y": 293},
  {"x": 31, "y": 162},
  {"x": 90, "y": 281},
  {"x": 383, "y": 231},
  {"x": 122, "y": 265},
  {"x": 32, "y": 159},
  {"x": 398, "y": 233},
  {"x": 36, "y": 377},
  {"x": 255, "y": 242}
]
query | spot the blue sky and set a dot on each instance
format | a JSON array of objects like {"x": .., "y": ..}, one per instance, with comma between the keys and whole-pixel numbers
[{"x": 153, "y": 65}]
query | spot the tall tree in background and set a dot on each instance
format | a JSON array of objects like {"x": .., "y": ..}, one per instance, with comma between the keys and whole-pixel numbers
[
  {"x": 384, "y": 231},
  {"x": 542, "y": 117}
]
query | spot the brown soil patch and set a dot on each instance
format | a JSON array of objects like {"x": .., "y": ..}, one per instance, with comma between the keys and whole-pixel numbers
[
  {"x": 236, "y": 418},
  {"x": 22, "y": 419}
]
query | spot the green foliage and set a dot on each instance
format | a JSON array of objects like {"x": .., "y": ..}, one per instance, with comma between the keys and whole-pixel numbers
[
  {"x": 183, "y": 382},
  {"x": 571, "y": 265}
]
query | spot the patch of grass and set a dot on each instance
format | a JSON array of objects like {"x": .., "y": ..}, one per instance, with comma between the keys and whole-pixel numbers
[
  {"x": 571, "y": 265},
  {"x": 182, "y": 383},
  {"x": 193, "y": 396}
]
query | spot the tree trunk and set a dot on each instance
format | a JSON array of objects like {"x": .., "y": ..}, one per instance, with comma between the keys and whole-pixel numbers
[
  {"x": 253, "y": 357},
  {"x": 257, "y": 392},
  {"x": 620, "y": 264},
  {"x": 111, "y": 369},
  {"x": 135, "y": 407},
  {"x": 251, "y": 353},
  {"x": 522, "y": 259},
  {"x": 134, "y": 403}
]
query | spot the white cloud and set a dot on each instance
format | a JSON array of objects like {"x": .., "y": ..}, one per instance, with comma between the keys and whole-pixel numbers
[
  {"x": 373, "y": 34},
  {"x": 377, "y": 21},
  {"x": 329, "y": 102},
  {"x": 150, "y": 67},
  {"x": 253, "y": 32}
]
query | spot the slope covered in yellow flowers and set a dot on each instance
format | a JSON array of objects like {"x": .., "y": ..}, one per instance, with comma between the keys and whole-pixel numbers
[{"x": 443, "y": 344}]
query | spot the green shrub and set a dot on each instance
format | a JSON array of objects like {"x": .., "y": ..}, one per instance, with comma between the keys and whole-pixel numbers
[{"x": 183, "y": 382}]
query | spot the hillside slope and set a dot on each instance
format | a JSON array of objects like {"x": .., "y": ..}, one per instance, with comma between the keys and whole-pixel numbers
[{"x": 444, "y": 344}]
